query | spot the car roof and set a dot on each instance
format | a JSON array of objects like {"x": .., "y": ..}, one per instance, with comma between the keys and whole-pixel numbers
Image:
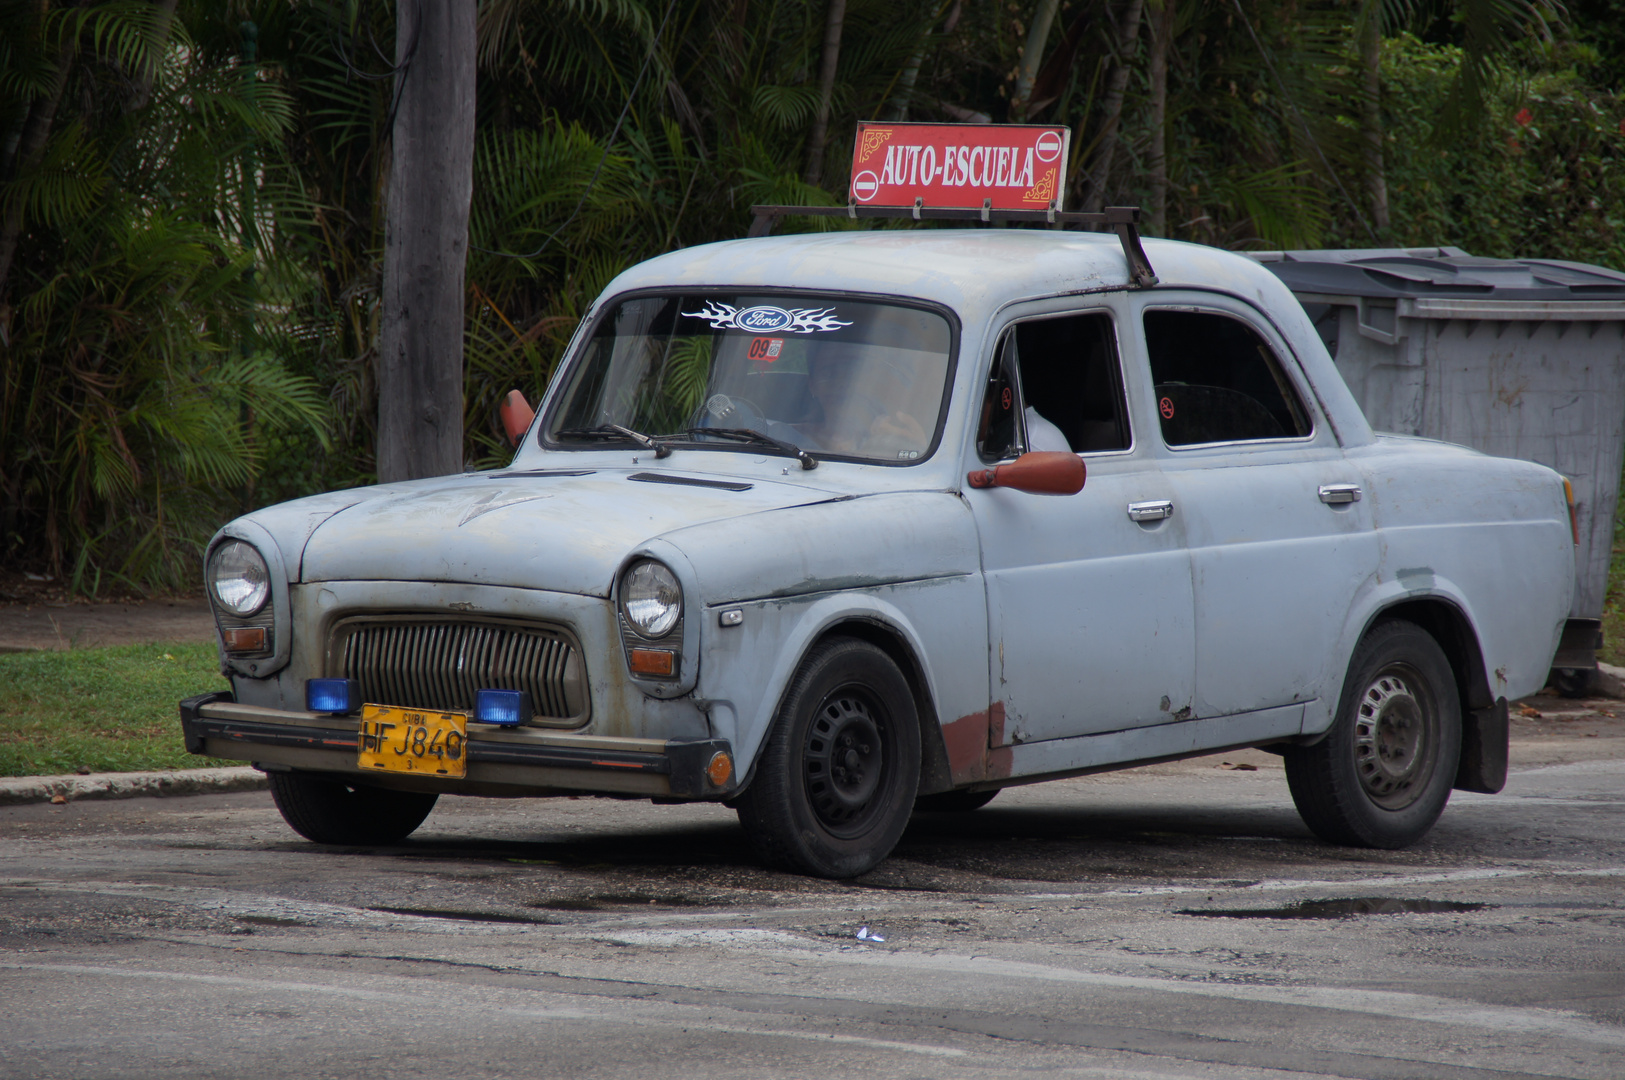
[
  {"x": 977, "y": 272},
  {"x": 974, "y": 271}
]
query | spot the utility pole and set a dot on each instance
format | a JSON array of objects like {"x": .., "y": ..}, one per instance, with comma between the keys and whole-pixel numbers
[{"x": 431, "y": 181}]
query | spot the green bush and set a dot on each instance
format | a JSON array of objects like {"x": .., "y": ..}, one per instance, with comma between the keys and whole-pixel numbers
[{"x": 1537, "y": 174}]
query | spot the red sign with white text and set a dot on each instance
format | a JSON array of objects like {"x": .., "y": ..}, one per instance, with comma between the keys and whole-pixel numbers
[{"x": 1017, "y": 166}]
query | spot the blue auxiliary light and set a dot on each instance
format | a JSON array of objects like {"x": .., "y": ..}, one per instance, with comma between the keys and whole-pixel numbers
[
  {"x": 340, "y": 696},
  {"x": 507, "y": 707}
]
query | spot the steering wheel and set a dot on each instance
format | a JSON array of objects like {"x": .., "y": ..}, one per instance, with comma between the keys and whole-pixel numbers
[{"x": 722, "y": 411}]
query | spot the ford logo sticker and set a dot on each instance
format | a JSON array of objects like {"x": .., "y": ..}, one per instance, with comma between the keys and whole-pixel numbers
[{"x": 764, "y": 318}]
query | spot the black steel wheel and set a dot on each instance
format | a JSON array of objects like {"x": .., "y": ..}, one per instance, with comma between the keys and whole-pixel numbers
[
  {"x": 953, "y": 802},
  {"x": 1382, "y": 775},
  {"x": 834, "y": 787},
  {"x": 331, "y": 810}
]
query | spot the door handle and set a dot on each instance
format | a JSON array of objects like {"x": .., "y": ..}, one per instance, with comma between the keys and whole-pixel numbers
[
  {"x": 1339, "y": 494},
  {"x": 1155, "y": 510}
]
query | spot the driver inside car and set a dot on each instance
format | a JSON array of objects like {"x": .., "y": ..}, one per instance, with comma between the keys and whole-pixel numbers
[{"x": 859, "y": 406}]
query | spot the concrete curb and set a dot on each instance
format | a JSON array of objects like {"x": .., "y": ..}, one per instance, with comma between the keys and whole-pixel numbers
[
  {"x": 1609, "y": 681},
  {"x": 132, "y": 785}
]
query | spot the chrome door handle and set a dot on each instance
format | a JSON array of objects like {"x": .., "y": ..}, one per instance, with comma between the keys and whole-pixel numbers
[
  {"x": 1155, "y": 510},
  {"x": 1338, "y": 494}
]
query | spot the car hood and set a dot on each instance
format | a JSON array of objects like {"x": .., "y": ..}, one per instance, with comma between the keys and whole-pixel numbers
[{"x": 541, "y": 530}]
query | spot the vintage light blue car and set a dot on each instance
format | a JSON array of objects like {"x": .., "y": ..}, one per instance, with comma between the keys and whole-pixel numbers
[{"x": 802, "y": 526}]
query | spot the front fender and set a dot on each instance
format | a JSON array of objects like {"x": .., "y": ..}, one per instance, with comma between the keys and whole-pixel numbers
[{"x": 746, "y": 669}]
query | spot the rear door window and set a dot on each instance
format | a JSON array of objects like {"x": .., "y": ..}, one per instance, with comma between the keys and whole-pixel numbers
[{"x": 1217, "y": 380}]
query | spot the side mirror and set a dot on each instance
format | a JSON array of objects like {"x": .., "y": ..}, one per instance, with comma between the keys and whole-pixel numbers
[
  {"x": 1042, "y": 472},
  {"x": 516, "y": 416}
]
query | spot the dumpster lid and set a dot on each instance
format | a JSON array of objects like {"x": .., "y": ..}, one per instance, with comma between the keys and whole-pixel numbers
[{"x": 1440, "y": 271}]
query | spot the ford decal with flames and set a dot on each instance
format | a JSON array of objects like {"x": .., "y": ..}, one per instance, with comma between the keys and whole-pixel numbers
[{"x": 766, "y": 319}]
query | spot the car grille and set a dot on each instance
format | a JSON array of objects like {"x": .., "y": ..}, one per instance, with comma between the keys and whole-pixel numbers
[{"x": 438, "y": 664}]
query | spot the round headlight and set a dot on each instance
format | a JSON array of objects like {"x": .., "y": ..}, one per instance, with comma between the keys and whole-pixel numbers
[
  {"x": 651, "y": 598},
  {"x": 238, "y": 578}
]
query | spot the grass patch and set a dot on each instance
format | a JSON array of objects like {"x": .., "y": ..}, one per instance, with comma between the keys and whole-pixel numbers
[{"x": 106, "y": 710}]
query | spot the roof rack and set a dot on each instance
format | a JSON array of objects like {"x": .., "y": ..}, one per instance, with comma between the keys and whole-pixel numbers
[{"x": 1125, "y": 220}]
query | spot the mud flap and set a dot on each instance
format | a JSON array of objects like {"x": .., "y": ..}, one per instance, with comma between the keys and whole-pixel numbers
[{"x": 1485, "y": 736}]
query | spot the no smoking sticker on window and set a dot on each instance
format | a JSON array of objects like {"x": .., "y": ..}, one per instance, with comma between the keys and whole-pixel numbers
[{"x": 1166, "y": 406}]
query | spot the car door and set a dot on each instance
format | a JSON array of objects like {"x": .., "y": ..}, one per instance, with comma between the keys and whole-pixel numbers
[
  {"x": 1279, "y": 533},
  {"x": 1089, "y": 595}
]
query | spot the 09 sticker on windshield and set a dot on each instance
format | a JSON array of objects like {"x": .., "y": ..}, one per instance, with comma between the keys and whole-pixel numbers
[
  {"x": 767, "y": 319},
  {"x": 766, "y": 349}
]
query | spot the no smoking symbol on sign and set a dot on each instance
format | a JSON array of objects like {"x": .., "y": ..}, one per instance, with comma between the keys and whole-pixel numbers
[{"x": 1166, "y": 407}]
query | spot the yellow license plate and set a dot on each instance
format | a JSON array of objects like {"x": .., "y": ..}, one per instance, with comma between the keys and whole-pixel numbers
[{"x": 408, "y": 741}]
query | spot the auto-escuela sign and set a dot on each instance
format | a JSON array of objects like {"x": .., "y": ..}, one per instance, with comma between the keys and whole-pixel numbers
[{"x": 963, "y": 166}]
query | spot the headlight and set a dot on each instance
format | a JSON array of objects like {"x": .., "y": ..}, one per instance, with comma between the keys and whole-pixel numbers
[
  {"x": 238, "y": 578},
  {"x": 651, "y": 599}
]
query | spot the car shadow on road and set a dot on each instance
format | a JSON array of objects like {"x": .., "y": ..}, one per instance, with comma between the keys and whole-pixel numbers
[{"x": 995, "y": 847}]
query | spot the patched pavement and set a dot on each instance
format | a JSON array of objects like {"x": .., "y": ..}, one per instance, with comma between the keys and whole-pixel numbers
[{"x": 1170, "y": 921}]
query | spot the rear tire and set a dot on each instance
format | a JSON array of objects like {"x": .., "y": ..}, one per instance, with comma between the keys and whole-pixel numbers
[
  {"x": 1382, "y": 775},
  {"x": 953, "y": 802},
  {"x": 333, "y": 811},
  {"x": 835, "y": 784},
  {"x": 1574, "y": 682}
]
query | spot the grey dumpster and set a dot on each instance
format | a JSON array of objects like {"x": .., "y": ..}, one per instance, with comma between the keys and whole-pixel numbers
[{"x": 1521, "y": 358}]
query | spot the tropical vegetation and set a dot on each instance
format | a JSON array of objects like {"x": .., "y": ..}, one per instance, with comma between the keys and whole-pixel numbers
[{"x": 191, "y": 207}]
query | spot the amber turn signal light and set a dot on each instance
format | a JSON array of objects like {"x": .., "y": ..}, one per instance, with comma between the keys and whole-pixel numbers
[
  {"x": 244, "y": 638},
  {"x": 653, "y": 662},
  {"x": 721, "y": 768},
  {"x": 1574, "y": 511}
]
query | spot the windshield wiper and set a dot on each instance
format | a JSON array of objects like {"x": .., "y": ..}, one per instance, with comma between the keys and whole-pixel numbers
[
  {"x": 751, "y": 435},
  {"x": 610, "y": 431}
]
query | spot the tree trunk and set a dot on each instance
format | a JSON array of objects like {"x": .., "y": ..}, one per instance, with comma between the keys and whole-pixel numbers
[
  {"x": 1031, "y": 56},
  {"x": 1128, "y": 31},
  {"x": 420, "y": 364},
  {"x": 826, "y": 90},
  {"x": 897, "y": 107},
  {"x": 1376, "y": 178},
  {"x": 144, "y": 78},
  {"x": 31, "y": 144},
  {"x": 1162, "y": 33}
]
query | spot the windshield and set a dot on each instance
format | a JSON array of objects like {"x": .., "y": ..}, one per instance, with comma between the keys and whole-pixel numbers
[{"x": 837, "y": 377}]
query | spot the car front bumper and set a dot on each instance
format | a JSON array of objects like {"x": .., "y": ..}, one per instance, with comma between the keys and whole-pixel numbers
[{"x": 501, "y": 761}]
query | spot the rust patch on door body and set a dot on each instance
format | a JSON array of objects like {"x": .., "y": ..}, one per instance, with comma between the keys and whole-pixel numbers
[{"x": 973, "y": 746}]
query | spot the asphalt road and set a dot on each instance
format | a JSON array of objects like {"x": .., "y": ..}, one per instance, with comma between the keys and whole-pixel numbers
[{"x": 1126, "y": 926}]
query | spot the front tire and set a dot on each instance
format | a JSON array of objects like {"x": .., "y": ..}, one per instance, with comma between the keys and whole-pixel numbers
[
  {"x": 835, "y": 784},
  {"x": 329, "y": 810},
  {"x": 1382, "y": 775}
]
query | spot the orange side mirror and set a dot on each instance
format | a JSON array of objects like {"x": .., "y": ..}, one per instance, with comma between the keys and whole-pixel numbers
[
  {"x": 516, "y": 415},
  {"x": 1042, "y": 472}
]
